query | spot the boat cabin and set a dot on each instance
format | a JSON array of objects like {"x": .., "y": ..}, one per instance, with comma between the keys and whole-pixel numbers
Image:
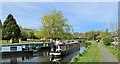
[{"x": 11, "y": 48}]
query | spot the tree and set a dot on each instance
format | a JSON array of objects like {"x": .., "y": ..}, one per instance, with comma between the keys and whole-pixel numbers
[
  {"x": 106, "y": 30},
  {"x": 37, "y": 34},
  {"x": 54, "y": 25},
  {"x": 103, "y": 34},
  {"x": 91, "y": 35},
  {"x": 24, "y": 34},
  {"x": 0, "y": 24},
  {"x": 10, "y": 28},
  {"x": 32, "y": 35},
  {"x": 0, "y": 29},
  {"x": 107, "y": 40}
]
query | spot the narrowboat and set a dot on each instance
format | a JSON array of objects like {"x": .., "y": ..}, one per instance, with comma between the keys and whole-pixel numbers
[
  {"x": 64, "y": 48},
  {"x": 14, "y": 49}
]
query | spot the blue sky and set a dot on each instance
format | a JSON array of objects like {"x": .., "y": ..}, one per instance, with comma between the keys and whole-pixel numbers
[{"x": 82, "y": 16}]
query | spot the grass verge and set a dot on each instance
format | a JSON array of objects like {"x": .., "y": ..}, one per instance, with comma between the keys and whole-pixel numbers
[{"x": 91, "y": 54}]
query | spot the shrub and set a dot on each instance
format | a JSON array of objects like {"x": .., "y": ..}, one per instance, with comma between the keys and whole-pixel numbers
[
  {"x": 85, "y": 51},
  {"x": 107, "y": 40},
  {"x": 75, "y": 59},
  {"x": 14, "y": 40},
  {"x": 80, "y": 54}
]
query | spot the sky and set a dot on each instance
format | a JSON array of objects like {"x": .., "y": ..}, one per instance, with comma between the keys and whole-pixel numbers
[
  {"x": 83, "y": 16},
  {"x": 60, "y": 0}
]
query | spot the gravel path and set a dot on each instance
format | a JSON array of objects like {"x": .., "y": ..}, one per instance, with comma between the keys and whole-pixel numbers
[{"x": 107, "y": 56}]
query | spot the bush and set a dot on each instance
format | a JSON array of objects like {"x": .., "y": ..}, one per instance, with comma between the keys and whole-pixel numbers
[
  {"x": 107, "y": 40},
  {"x": 15, "y": 41},
  {"x": 85, "y": 51},
  {"x": 24, "y": 39},
  {"x": 80, "y": 54},
  {"x": 75, "y": 59}
]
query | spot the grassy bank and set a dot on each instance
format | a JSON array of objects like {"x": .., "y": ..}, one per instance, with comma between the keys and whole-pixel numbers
[{"x": 91, "y": 54}]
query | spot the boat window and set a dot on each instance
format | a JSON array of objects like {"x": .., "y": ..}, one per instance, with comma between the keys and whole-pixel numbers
[{"x": 13, "y": 48}]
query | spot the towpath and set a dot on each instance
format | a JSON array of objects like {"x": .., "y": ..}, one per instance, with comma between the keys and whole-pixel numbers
[{"x": 107, "y": 56}]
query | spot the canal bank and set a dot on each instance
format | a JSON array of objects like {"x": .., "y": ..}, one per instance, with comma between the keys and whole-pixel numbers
[
  {"x": 39, "y": 57},
  {"x": 91, "y": 54}
]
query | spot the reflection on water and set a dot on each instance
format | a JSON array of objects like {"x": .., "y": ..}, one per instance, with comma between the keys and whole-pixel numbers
[
  {"x": 55, "y": 60},
  {"x": 13, "y": 61},
  {"x": 36, "y": 57},
  {"x": 42, "y": 56},
  {"x": 82, "y": 49}
]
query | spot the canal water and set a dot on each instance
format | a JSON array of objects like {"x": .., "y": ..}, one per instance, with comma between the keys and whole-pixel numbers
[{"x": 40, "y": 57}]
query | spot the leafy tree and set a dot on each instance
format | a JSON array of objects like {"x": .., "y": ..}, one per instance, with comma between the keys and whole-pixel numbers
[
  {"x": 24, "y": 33},
  {"x": 0, "y": 24},
  {"x": 106, "y": 30},
  {"x": 103, "y": 34},
  {"x": 107, "y": 40},
  {"x": 10, "y": 28},
  {"x": 32, "y": 35},
  {"x": 29, "y": 33},
  {"x": 0, "y": 29},
  {"x": 37, "y": 34},
  {"x": 91, "y": 35},
  {"x": 54, "y": 25}
]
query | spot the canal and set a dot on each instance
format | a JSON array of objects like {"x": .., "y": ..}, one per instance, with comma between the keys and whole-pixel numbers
[{"x": 41, "y": 57}]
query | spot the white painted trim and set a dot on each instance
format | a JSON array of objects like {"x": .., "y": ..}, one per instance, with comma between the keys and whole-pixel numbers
[{"x": 55, "y": 53}]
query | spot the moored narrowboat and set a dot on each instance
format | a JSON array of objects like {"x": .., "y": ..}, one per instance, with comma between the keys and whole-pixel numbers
[
  {"x": 14, "y": 49},
  {"x": 62, "y": 48}
]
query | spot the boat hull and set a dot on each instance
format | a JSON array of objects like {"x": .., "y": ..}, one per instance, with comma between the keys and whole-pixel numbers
[
  {"x": 66, "y": 52},
  {"x": 16, "y": 53}
]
